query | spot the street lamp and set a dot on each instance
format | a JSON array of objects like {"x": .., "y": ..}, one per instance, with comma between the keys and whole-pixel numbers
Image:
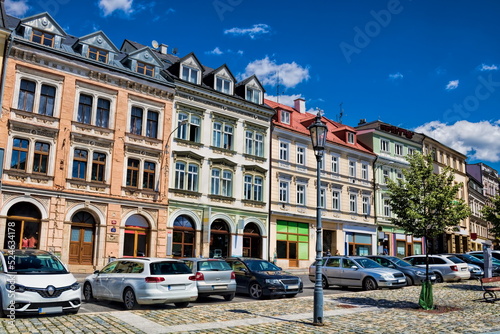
[
  {"x": 166, "y": 154},
  {"x": 318, "y": 132}
]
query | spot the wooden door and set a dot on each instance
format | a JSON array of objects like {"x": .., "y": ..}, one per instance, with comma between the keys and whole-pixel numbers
[{"x": 81, "y": 246}]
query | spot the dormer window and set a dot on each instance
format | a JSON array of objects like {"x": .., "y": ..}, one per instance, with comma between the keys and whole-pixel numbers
[
  {"x": 253, "y": 95},
  {"x": 145, "y": 69},
  {"x": 42, "y": 37},
  {"x": 98, "y": 54},
  {"x": 189, "y": 74},
  {"x": 350, "y": 138},
  {"x": 223, "y": 85},
  {"x": 285, "y": 117}
]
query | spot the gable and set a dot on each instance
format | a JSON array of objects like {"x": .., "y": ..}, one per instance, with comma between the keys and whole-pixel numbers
[
  {"x": 145, "y": 55},
  {"x": 99, "y": 40},
  {"x": 191, "y": 61},
  {"x": 44, "y": 22}
]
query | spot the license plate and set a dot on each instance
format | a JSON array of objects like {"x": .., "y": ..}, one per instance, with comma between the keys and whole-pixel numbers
[
  {"x": 401, "y": 280},
  {"x": 291, "y": 287},
  {"x": 49, "y": 310},
  {"x": 177, "y": 287},
  {"x": 219, "y": 287},
  {"x": 464, "y": 269},
  {"x": 433, "y": 277}
]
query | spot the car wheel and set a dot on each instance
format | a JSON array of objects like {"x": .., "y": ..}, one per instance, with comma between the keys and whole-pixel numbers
[
  {"x": 229, "y": 297},
  {"x": 324, "y": 282},
  {"x": 181, "y": 304},
  {"x": 439, "y": 278},
  {"x": 369, "y": 284},
  {"x": 409, "y": 281},
  {"x": 255, "y": 291},
  {"x": 129, "y": 299},
  {"x": 87, "y": 292}
]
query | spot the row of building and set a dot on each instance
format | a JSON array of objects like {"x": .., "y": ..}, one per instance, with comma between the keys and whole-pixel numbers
[{"x": 133, "y": 151}]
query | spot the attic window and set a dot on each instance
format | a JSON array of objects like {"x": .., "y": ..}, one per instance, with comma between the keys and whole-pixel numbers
[
  {"x": 350, "y": 138},
  {"x": 42, "y": 37},
  {"x": 98, "y": 54},
  {"x": 253, "y": 95},
  {"x": 223, "y": 85},
  {"x": 190, "y": 74},
  {"x": 285, "y": 117},
  {"x": 145, "y": 69}
]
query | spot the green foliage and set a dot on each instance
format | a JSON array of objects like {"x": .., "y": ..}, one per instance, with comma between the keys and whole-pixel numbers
[
  {"x": 492, "y": 214},
  {"x": 424, "y": 202}
]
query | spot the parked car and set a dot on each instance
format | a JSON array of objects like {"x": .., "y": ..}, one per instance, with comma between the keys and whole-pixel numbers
[
  {"x": 34, "y": 281},
  {"x": 136, "y": 281},
  {"x": 414, "y": 275},
  {"x": 357, "y": 271},
  {"x": 260, "y": 278},
  {"x": 494, "y": 262},
  {"x": 448, "y": 268},
  {"x": 473, "y": 259},
  {"x": 475, "y": 271},
  {"x": 494, "y": 254},
  {"x": 213, "y": 277}
]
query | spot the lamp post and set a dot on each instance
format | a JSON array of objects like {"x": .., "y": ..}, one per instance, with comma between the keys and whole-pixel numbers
[
  {"x": 318, "y": 132},
  {"x": 166, "y": 153}
]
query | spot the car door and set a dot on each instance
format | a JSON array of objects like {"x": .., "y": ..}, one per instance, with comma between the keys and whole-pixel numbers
[
  {"x": 242, "y": 275},
  {"x": 350, "y": 276},
  {"x": 117, "y": 279},
  {"x": 332, "y": 271},
  {"x": 101, "y": 286}
]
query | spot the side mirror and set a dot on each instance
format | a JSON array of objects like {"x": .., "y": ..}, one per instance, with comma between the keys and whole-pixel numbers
[
  {"x": 96, "y": 272},
  {"x": 354, "y": 267},
  {"x": 244, "y": 270},
  {"x": 391, "y": 266}
]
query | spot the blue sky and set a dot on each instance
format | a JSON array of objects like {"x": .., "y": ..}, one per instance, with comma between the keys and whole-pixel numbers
[{"x": 430, "y": 66}]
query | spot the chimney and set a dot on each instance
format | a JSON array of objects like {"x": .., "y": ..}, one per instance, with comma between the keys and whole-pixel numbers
[
  {"x": 163, "y": 49},
  {"x": 362, "y": 121},
  {"x": 300, "y": 105}
]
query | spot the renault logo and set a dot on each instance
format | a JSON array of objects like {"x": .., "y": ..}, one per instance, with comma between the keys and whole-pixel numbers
[{"x": 51, "y": 290}]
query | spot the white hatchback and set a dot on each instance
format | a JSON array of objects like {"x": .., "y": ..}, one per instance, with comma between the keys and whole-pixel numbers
[
  {"x": 142, "y": 280},
  {"x": 448, "y": 268},
  {"x": 34, "y": 281}
]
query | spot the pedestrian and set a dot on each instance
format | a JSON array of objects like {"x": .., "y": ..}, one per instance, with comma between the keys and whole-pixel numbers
[
  {"x": 386, "y": 251},
  {"x": 328, "y": 253},
  {"x": 337, "y": 252}
]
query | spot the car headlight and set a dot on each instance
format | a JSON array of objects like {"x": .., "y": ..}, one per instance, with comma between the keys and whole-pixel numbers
[
  {"x": 420, "y": 273},
  {"x": 273, "y": 281},
  {"x": 15, "y": 287},
  {"x": 75, "y": 286},
  {"x": 387, "y": 276}
]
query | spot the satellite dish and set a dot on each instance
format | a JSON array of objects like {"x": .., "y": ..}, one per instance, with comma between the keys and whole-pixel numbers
[
  {"x": 174, "y": 51},
  {"x": 154, "y": 44}
]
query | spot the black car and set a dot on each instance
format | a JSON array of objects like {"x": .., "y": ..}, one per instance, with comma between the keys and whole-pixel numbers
[
  {"x": 260, "y": 278},
  {"x": 414, "y": 275},
  {"x": 472, "y": 259}
]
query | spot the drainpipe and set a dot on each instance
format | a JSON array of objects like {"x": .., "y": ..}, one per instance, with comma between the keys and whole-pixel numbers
[
  {"x": 272, "y": 259},
  {"x": 4, "y": 68}
]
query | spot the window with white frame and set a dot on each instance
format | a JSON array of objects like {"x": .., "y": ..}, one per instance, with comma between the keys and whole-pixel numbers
[
  {"x": 301, "y": 194},
  {"x": 335, "y": 164},
  {"x": 387, "y": 208},
  {"x": 336, "y": 200},
  {"x": 189, "y": 74},
  {"x": 352, "y": 168},
  {"x": 254, "y": 142},
  {"x": 364, "y": 171},
  {"x": 253, "y": 95},
  {"x": 144, "y": 122},
  {"x": 399, "y": 174},
  {"x": 30, "y": 155},
  {"x": 38, "y": 95},
  {"x": 186, "y": 176},
  {"x": 221, "y": 182},
  {"x": 301, "y": 155},
  {"x": 398, "y": 149},
  {"x": 385, "y": 174},
  {"x": 322, "y": 198},
  {"x": 353, "y": 203},
  {"x": 385, "y": 146},
  {"x": 223, "y": 85},
  {"x": 285, "y": 117},
  {"x": 350, "y": 137},
  {"x": 411, "y": 151},
  {"x": 284, "y": 150},
  {"x": 366, "y": 205},
  {"x": 284, "y": 191},
  {"x": 189, "y": 127},
  {"x": 222, "y": 135},
  {"x": 252, "y": 190}
]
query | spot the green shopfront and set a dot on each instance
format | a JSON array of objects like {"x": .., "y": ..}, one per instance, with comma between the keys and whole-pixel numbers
[{"x": 292, "y": 242}]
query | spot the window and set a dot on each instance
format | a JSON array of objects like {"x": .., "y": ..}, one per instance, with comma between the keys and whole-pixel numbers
[
  {"x": 189, "y": 74},
  {"x": 136, "y": 168},
  {"x": 353, "y": 203},
  {"x": 98, "y": 54},
  {"x": 221, "y": 182},
  {"x": 385, "y": 173},
  {"x": 102, "y": 113},
  {"x": 148, "y": 179},
  {"x": 253, "y": 95},
  {"x": 398, "y": 149},
  {"x": 19, "y": 158},
  {"x": 186, "y": 176},
  {"x": 384, "y": 145},
  {"x": 146, "y": 69},
  {"x": 322, "y": 198},
  {"x": 292, "y": 240},
  {"x": 350, "y": 138},
  {"x": 411, "y": 151},
  {"x": 42, "y": 37},
  {"x": 335, "y": 164},
  {"x": 352, "y": 168},
  {"x": 80, "y": 164},
  {"x": 41, "y": 157},
  {"x": 223, "y": 85},
  {"x": 223, "y": 135},
  {"x": 301, "y": 155},
  {"x": 47, "y": 99},
  {"x": 85, "y": 109},
  {"x": 283, "y": 151},
  {"x": 254, "y": 143},
  {"x": 98, "y": 167},
  {"x": 283, "y": 190},
  {"x": 148, "y": 128},
  {"x": 253, "y": 188},
  {"x": 301, "y": 194},
  {"x": 23, "y": 149},
  {"x": 191, "y": 129},
  {"x": 336, "y": 200},
  {"x": 95, "y": 114},
  {"x": 364, "y": 171},
  {"x": 366, "y": 205},
  {"x": 136, "y": 121},
  {"x": 285, "y": 117},
  {"x": 132, "y": 173},
  {"x": 152, "y": 125},
  {"x": 27, "y": 97},
  {"x": 399, "y": 174},
  {"x": 387, "y": 208}
]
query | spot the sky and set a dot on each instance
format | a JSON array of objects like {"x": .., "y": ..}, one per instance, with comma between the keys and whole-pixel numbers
[{"x": 428, "y": 66}]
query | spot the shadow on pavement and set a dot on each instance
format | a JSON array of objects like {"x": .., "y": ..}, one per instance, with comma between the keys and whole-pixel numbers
[
  {"x": 383, "y": 303},
  {"x": 270, "y": 317}
]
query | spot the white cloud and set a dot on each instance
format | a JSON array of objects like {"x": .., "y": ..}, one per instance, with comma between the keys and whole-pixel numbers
[
  {"x": 16, "y": 8},
  {"x": 268, "y": 72},
  {"x": 287, "y": 100},
  {"x": 110, "y": 6},
  {"x": 256, "y": 30},
  {"x": 453, "y": 84},
  {"x": 215, "y": 51},
  {"x": 479, "y": 141},
  {"x": 395, "y": 76},
  {"x": 491, "y": 67}
]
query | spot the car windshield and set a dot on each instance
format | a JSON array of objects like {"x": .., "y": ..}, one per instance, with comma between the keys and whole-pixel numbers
[
  {"x": 493, "y": 260},
  {"x": 368, "y": 263},
  {"x": 33, "y": 262},
  {"x": 261, "y": 265},
  {"x": 211, "y": 265},
  {"x": 169, "y": 268},
  {"x": 397, "y": 261}
]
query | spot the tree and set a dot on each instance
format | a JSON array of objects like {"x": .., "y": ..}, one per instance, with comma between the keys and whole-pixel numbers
[
  {"x": 491, "y": 213},
  {"x": 425, "y": 204}
]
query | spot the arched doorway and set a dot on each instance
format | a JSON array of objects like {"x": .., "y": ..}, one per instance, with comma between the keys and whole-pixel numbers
[
  {"x": 252, "y": 241},
  {"x": 135, "y": 243},
  {"x": 219, "y": 239},
  {"x": 23, "y": 226},
  {"x": 81, "y": 246},
  {"x": 184, "y": 237}
]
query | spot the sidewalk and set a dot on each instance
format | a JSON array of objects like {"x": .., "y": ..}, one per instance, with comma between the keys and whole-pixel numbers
[{"x": 460, "y": 309}]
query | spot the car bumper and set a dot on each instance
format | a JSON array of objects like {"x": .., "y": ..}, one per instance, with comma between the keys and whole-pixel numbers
[
  {"x": 421, "y": 279},
  {"x": 216, "y": 289},
  {"x": 457, "y": 276},
  {"x": 32, "y": 303},
  {"x": 280, "y": 290},
  {"x": 392, "y": 283}
]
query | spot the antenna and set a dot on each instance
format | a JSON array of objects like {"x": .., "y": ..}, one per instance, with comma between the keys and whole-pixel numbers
[
  {"x": 154, "y": 44},
  {"x": 174, "y": 51},
  {"x": 278, "y": 86},
  {"x": 339, "y": 117}
]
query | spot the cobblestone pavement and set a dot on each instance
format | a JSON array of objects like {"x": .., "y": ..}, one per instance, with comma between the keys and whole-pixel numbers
[{"x": 460, "y": 309}]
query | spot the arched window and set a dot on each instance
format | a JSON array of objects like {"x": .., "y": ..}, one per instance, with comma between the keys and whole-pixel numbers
[
  {"x": 136, "y": 239},
  {"x": 252, "y": 241},
  {"x": 183, "y": 237},
  {"x": 219, "y": 239},
  {"x": 23, "y": 226}
]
